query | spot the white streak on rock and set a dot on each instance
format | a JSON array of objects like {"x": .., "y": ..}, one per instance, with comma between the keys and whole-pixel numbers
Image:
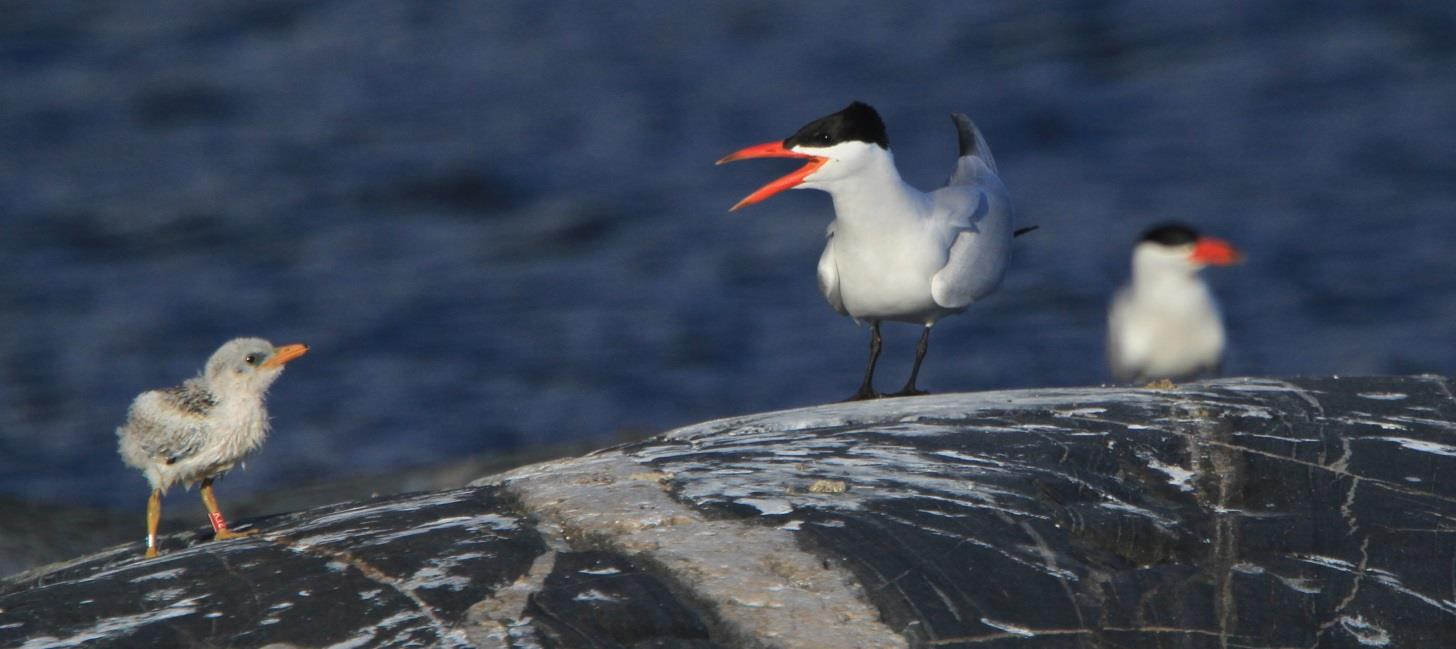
[
  {"x": 114, "y": 628},
  {"x": 1368, "y": 634},
  {"x": 1379, "y": 423},
  {"x": 1177, "y": 476},
  {"x": 1331, "y": 562},
  {"x": 161, "y": 574},
  {"x": 1382, "y": 396},
  {"x": 595, "y": 595},
  {"x": 1425, "y": 421},
  {"x": 164, "y": 594},
  {"x": 768, "y": 506},
  {"x": 1292, "y": 440},
  {"x": 973, "y": 459},
  {"x": 601, "y": 571},
  {"x": 1008, "y": 627},
  {"x": 1421, "y": 445},
  {"x": 1300, "y": 584},
  {"x": 1079, "y": 412},
  {"x": 1121, "y": 506},
  {"x": 435, "y": 576}
]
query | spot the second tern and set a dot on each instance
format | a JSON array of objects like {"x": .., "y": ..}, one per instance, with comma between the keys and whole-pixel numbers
[{"x": 1164, "y": 324}]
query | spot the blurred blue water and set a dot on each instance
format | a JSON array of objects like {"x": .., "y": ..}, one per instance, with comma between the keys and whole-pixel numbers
[{"x": 498, "y": 224}]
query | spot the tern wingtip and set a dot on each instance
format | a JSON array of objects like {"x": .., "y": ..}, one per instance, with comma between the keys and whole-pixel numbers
[{"x": 966, "y": 130}]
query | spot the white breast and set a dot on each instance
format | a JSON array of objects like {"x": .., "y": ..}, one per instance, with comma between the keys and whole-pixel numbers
[
  {"x": 236, "y": 428},
  {"x": 1170, "y": 329},
  {"x": 885, "y": 272}
]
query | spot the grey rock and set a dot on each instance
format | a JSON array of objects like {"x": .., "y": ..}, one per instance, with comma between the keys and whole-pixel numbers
[{"x": 1233, "y": 513}]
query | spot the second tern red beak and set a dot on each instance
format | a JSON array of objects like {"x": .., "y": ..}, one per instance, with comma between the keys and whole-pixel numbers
[
  {"x": 774, "y": 150},
  {"x": 1215, "y": 252}
]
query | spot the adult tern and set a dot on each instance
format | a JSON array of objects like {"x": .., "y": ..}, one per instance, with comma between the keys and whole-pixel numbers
[{"x": 895, "y": 253}]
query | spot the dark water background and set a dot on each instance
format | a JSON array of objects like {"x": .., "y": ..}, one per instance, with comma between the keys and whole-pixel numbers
[{"x": 498, "y": 224}]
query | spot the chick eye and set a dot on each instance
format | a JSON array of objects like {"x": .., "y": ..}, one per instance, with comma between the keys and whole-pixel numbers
[{"x": 251, "y": 359}]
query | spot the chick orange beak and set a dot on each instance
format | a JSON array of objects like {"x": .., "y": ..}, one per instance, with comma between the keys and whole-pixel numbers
[
  {"x": 1215, "y": 252},
  {"x": 774, "y": 150},
  {"x": 284, "y": 354}
]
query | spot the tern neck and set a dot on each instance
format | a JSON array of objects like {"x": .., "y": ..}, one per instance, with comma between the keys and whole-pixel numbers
[
  {"x": 1151, "y": 266},
  {"x": 1158, "y": 279},
  {"x": 874, "y": 193}
]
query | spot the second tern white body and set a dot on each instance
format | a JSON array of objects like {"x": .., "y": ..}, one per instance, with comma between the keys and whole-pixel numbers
[{"x": 1165, "y": 323}]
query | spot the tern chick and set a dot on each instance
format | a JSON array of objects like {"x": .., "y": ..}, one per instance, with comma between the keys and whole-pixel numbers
[
  {"x": 1165, "y": 323},
  {"x": 198, "y": 430}
]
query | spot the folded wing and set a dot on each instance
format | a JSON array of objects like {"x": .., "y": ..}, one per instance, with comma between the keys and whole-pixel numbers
[{"x": 974, "y": 210}]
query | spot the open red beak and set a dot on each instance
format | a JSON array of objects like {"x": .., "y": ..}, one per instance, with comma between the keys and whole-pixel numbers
[
  {"x": 1215, "y": 252},
  {"x": 774, "y": 150}
]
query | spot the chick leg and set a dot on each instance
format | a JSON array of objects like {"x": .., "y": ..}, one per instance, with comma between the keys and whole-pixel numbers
[
  {"x": 220, "y": 531},
  {"x": 154, "y": 516}
]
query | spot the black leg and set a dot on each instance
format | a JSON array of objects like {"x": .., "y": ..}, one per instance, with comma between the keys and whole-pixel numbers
[
  {"x": 920, "y": 349},
  {"x": 866, "y": 389}
]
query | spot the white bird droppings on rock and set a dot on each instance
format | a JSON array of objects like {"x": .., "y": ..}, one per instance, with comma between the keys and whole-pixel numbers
[{"x": 768, "y": 506}]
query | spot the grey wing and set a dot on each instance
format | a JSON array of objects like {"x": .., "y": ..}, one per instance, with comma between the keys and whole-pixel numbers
[
  {"x": 159, "y": 432},
  {"x": 979, "y": 216},
  {"x": 976, "y": 208},
  {"x": 829, "y": 273}
]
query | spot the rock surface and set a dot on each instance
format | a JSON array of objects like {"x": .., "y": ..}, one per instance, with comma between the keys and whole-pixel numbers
[
  {"x": 34, "y": 534},
  {"x": 1234, "y": 513}
]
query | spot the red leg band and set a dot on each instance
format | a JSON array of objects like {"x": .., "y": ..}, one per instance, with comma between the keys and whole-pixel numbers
[{"x": 218, "y": 524}]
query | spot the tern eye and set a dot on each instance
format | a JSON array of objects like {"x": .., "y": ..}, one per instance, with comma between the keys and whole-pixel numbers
[
  {"x": 823, "y": 137},
  {"x": 251, "y": 359}
]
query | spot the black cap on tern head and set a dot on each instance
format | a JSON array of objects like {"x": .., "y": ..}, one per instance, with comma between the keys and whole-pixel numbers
[
  {"x": 856, "y": 123},
  {"x": 1170, "y": 234}
]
